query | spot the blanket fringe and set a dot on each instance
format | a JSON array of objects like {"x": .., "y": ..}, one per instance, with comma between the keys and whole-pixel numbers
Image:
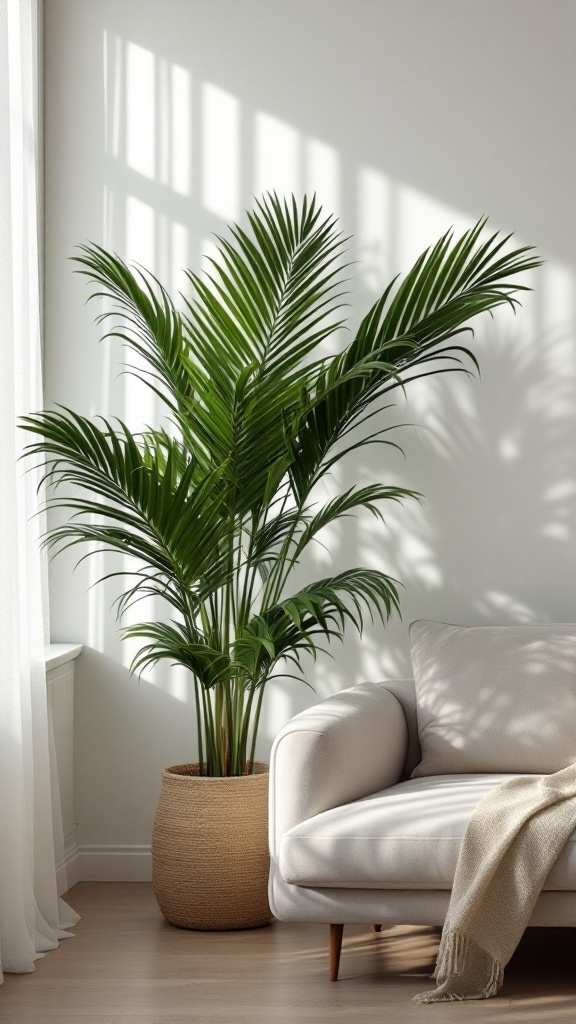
[{"x": 463, "y": 971}]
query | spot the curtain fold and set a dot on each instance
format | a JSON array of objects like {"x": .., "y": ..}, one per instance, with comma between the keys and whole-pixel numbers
[{"x": 32, "y": 917}]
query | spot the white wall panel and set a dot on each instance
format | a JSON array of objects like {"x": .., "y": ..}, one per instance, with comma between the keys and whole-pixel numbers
[{"x": 162, "y": 120}]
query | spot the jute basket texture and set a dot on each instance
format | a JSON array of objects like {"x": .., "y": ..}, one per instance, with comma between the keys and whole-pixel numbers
[{"x": 210, "y": 849}]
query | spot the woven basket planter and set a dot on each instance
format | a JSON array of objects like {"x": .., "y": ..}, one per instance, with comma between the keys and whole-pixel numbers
[{"x": 210, "y": 849}]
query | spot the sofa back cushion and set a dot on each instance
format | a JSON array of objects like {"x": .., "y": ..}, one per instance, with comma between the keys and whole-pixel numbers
[{"x": 494, "y": 698}]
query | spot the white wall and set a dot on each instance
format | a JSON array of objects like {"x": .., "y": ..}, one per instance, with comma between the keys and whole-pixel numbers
[{"x": 162, "y": 120}]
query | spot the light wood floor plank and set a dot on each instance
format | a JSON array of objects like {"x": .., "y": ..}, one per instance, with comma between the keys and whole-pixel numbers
[{"x": 127, "y": 966}]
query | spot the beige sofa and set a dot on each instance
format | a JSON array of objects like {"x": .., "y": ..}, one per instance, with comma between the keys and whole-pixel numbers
[{"x": 354, "y": 840}]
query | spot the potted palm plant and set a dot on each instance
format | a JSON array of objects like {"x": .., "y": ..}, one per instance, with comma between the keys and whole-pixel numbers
[{"x": 219, "y": 504}]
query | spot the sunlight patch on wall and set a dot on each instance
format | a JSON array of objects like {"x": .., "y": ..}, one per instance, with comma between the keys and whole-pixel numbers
[
  {"x": 396, "y": 223},
  {"x": 139, "y": 401},
  {"x": 556, "y": 284},
  {"x": 557, "y": 330},
  {"x": 284, "y": 698},
  {"x": 322, "y": 175},
  {"x": 382, "y": 658},
  {"x": 421, "y": 220},
  {"x": 113, "y": 65},
  {"x": 277, "y": 157},
  {"x": 178, "y": 683},
  {"x": 140, "y": 110},
  {"x": 174, "y": 127},
  {"x": 208, "y": 252},
  {"x": 375, "y": 229},
  {"x": 326, "y": 553},
  {"x": 429, "y": 402},
  {"x": 109, "y": 217},
  {"x": 561, "y": 491},
  {"x": 173, "y": 679},
  {"x": 508, "y": 448},
  {"x": 100, "y": 398},
  {"x": 557, "y": 531},
  {"x": 98, "y": 614},
  {"x": 419, "y": 554},
  {"x": 181, "y": 129},
  {"x": 143, "y": 611},
  {"x": 179, "y": 260},
  {"x": 220, "y": 152},
  {"x": 499, "y": 607},
  {"x": 404, "y": 546},
  {"x": 322, "y": 178},
  {"x": 140, "y": 232},
  {"x": 162, "y": 245}
]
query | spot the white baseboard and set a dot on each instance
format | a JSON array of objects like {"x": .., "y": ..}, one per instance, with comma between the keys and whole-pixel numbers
[
  {"x": 115, "y": 862},
  {"x": 68, "y": 870}
]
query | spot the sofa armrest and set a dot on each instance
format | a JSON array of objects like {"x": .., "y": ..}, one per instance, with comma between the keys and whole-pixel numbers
[{"x": 348, "y": 746}]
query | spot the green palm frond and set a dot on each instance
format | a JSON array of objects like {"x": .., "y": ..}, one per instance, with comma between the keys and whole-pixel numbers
[
  {"x": 218, "y": 505},
  {"x": 150, "y": 323},
  {"x": 324, "y": 607},
  {"x": 264, "y": 304},
  {"x": 344, "y": 504},
  {"x": 144, "y": 486},
  {"x": 180, "y": 646},
  {"x": 410, "y": 326}
]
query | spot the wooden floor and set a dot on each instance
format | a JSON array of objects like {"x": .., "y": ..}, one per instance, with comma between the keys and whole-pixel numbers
[{"x": 126, "y": 964}]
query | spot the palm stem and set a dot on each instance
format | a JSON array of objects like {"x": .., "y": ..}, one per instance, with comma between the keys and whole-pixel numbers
[
  {"x": 255, "y": 726},
  {"x": 199, "y": 721}
]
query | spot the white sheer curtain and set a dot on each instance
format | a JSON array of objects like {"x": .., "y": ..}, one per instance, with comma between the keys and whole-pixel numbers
[{"x": 31, "y": 914}]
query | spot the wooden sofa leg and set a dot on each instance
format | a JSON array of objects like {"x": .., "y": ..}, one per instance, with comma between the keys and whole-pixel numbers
[
  {"x": 376, "y": 927},
  {"x": 336, "y": 931}
]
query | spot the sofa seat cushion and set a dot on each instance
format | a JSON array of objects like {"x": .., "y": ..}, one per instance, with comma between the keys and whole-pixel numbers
[{"x": 404, "y": 837}]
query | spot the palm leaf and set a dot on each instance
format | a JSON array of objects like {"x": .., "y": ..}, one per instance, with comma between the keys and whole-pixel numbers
[
  {"x": 158, "y": 514},
  {"x": 344, "y": 504},
  {"x": 321, "y": 607},
  {"x": 406, "y": 328}
]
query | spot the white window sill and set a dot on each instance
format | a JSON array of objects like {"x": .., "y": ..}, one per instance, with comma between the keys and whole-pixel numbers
[{"x": 59, "y": 654}]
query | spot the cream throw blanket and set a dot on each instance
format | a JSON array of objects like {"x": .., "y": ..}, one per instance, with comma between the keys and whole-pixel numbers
[{"x": 511, "y": 842}]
